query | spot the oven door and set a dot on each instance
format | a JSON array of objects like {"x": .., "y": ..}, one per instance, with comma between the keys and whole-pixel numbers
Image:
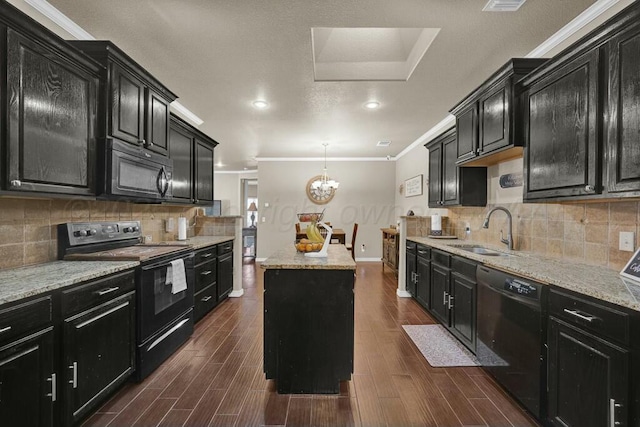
[
  {"x": 157, "y": 304},
  {"x": 136, "y": 173}
]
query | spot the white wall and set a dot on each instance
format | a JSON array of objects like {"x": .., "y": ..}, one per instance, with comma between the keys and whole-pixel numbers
[
  {"x": 227, "y": 186},
  {"x": 365, "y": 196}
]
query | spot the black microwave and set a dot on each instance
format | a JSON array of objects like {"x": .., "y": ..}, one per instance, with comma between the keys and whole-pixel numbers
[{"x": 135, "y": 173}]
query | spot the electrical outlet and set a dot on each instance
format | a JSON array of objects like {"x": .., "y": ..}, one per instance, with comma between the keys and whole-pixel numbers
[
  {"x": 363, "y": 248},
  {"x": 264, "y": 219},
  {"x": 148, "y": 238},
  {"x": 627, "y": 241},
  {"x": 168, "y": 225}
]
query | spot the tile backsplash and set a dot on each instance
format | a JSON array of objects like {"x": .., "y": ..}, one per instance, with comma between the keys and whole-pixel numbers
[
  {"x": 587, "y": 232},
  {"x": 28, "y": 233}
]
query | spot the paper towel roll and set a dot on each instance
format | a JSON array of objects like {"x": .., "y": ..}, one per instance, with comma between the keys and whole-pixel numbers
[
  {"x": 436, "y": 225},
  {"x": 182, "y": 228}
]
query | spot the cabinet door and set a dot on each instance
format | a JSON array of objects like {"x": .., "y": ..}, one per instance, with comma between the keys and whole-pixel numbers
[
  {"x": 463, "y": 310},
  {"x": 624, "y": 112},
  {"x": 423, "y": 285},
  {"x": 27, "y": 381},
  {"x": 494, "y": 119},
  {"x": 51, "y": 144},
  {"x": 466, "y": 128},
  {"x": 587, "y": 378},
  {"x": 98, "y": 354},
  {"x": 449, "y": 173},
  {"x": 127, "y": 106},
  {"x": 204, "y": 173},
  {"x": 561, "y": 154},
  {"x": 435, "y": 176},
  {"x": 181, "y": 152},
  {"x": 225, "y": 275},
  {"x": 411, "y": 272},
  {"x": 440, "y": 293},
  {"x": 157, "y": 132}
]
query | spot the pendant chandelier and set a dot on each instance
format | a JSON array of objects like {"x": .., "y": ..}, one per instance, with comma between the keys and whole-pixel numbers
[{"x": 325, "y": 184}]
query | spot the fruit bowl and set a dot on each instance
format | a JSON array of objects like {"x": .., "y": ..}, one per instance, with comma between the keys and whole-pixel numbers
[
  {"x": 310, "y": 217},
  {"x": 306, "y": 245}
]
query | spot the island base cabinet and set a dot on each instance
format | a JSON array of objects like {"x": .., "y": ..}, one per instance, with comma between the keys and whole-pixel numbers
[
  {"x": 588, "y": 379},
  {"x": 308, "y": 329},
  {"x": 27, "y": 381}
]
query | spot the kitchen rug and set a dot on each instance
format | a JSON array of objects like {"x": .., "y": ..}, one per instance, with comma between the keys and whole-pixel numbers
[{"x": 439, "y": 347}]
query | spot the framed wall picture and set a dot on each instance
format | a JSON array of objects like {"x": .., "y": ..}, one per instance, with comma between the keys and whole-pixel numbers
[{"x": 413, "y": 186}]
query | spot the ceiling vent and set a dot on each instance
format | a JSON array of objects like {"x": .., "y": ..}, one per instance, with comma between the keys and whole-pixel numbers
[
  {"x": 503, "y": 5},
  {"x": 383, "y": 143}
]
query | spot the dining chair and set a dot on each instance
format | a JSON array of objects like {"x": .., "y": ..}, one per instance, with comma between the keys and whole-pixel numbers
[{"x": 351, "y": 246}]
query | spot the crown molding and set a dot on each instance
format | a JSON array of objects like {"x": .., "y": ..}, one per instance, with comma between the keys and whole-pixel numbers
[
  {"x": 322, "y": 159},
  {"x": 236, "y": 172},
  {"x": 60, "y": 19}
]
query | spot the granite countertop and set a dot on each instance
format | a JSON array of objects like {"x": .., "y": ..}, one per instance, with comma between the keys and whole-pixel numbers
[
  {"x": 23, "y": 282},
  {"x": 287, "y": 258},
  {"x": 197, "y": 242},
  {"x": 596, "y": 281}
]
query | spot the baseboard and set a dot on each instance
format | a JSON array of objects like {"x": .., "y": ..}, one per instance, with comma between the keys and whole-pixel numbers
[
  {"x": 260, "y": 259},
  {"x": 368, "y": 259},
  {"x": 236, "y": 294},
  {"x": 403, "y": 294}
]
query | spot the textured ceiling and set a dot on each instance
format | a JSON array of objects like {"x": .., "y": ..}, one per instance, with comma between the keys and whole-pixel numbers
[{"x": 220, "y": 55}]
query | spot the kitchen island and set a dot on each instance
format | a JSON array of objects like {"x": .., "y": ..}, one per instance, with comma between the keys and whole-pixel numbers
[{"x": 308, "y": 320}]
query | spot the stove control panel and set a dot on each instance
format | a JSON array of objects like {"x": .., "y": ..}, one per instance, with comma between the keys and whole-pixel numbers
[{"x": 81, "y": 233}]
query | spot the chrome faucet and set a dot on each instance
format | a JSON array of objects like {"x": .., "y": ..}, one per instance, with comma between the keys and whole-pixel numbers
[{"x": 509, "y": 240}]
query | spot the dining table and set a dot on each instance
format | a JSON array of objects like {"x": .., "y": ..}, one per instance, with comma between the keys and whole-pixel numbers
[{"x": 337, "y": 237}]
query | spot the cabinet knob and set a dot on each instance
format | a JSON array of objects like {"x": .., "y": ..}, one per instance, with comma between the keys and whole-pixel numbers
[
  {"x": 16, "y": 183},
  {"x": 149, "y": 144},
  {"x": 142, "y": 142},
  {"x": 589, "y": 188}
]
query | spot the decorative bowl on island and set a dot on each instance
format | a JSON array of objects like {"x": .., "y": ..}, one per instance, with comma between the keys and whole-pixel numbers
[
  {"x": 306, "y": 245},
  {"x": 310, "y": 217}
]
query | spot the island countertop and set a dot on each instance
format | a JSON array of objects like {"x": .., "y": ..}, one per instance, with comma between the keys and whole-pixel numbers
[{"x": 288, "y": 258}]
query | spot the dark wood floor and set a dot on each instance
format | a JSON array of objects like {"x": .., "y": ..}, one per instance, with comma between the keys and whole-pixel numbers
[{"x": 216, "y": 379}]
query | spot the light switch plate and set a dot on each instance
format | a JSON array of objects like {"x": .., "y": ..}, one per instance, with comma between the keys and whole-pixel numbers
[{"x": 627, "y": 241}]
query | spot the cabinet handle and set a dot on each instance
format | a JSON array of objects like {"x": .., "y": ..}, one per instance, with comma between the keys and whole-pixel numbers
[
  {"x": 450, "y": 299},
  {"x": 6, "y": 329},
  {"x": 589, "y": 188},
  {"x": 74, "y": 379},
  {"x": 53, "y": 394},
  {"x": 206, "y": 273},
  {"x": 417, "y": 276},
  {"x": 207, "y": 255},
  {"x": 207, "y": 298},
  {"x": 107, "y": 291},
  {"x": 16, "y": 183},
  {"x": 444, "y": 298},
  {"x": 612, "y": 413},
  {"x": 579, "y": 315}
]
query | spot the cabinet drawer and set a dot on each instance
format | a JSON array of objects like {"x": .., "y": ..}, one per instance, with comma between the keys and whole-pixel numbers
[
  {"x": 81, "y": 297},
  {"x": 206, "y": 254},
  {"x": 411, "y": 247},
  {"x": 205, "y": 275},
  {"x": 590, "y": 315},
  {"x": 205, "y": 300},
  {"x": 424, "y": 252},
  {"x": 225, "y": 247},
  {"x": 22, "y": 318},
  {"x": 442, "y": 258},
  {"x": 464, "y": 267}
]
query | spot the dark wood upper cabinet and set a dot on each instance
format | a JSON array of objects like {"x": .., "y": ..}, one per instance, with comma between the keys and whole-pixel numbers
[
  {"x": 192, "y": 153},
  {"x": 562, "y": 139},
  {"x": 134, "y": 106},
  {"x": 449, "y": 184},
  {"x": 50, "y": 120},
  {"x": 624, "y": 112},
  {"x": 581, "y": 116},
  {"x": 486, "y": 120}
]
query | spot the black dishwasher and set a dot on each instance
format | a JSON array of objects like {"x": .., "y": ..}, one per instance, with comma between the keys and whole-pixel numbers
[{"x": 511, "y": 331}]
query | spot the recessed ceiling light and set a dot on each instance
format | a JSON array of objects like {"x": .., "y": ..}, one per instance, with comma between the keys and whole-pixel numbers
[
  {"x": 260, "y": 104},
  {"x": 372, "y": 105}
]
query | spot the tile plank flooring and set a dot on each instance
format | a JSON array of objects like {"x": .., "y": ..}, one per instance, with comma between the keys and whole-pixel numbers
[{"x": 216, "y": 378}]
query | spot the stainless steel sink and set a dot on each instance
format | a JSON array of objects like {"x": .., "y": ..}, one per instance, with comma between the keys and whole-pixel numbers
[{"x": 481, "y": 250}]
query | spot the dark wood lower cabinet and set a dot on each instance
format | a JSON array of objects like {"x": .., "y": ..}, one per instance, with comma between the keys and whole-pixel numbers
[
  {"x": 225, "y": 275},
  {"x": 28, "y": 381},
  {"x": 440, "y": 277},
  {"x": 411, "y": 269},
  {"x": 423, "y": 281},
  {"x": 98, "y": 355},
  {"x": 463, "y": 309},
  {"x": 588, "y": 379}
]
